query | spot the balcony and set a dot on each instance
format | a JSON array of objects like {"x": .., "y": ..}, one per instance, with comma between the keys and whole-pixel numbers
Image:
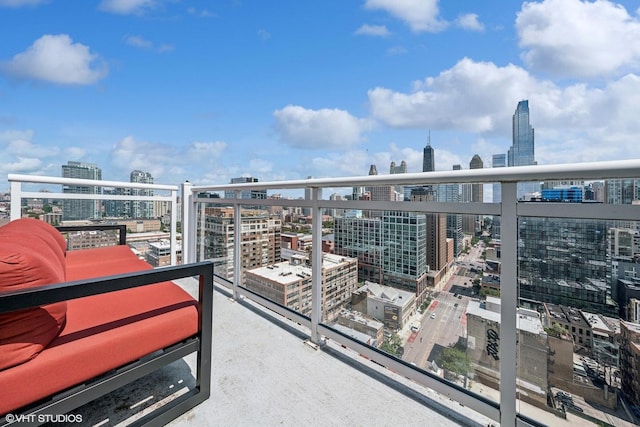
[{"x": 291, "y": 361}]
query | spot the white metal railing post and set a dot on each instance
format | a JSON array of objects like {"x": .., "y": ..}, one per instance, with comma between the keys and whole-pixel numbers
[
  {"x": 174, "y": 227},
  {"x": 188, "y": 224},
  {"x": 508, "y": 304},
  {"x": 316, "y": 264},
  {"x": 201, "y": 232},
  {"x": 237, "y": 246},
  {"x": 16, "y": 200}
]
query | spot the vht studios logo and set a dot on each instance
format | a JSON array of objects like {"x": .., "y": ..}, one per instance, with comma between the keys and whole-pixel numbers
[{"x": 43, "y": 418}]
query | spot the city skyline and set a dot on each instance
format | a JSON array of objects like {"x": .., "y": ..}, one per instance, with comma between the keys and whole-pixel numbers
[{"x": 314, "y": 89}]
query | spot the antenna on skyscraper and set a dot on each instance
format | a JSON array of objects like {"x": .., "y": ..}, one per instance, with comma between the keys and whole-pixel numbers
[{"x": 429, "y": 138}]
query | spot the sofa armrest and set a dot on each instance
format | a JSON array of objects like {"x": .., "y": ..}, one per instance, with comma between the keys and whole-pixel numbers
[{"x": 48, "y": 294}]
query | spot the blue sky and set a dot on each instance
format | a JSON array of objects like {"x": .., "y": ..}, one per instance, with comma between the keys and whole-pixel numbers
[{"x": 209, "y": 90}]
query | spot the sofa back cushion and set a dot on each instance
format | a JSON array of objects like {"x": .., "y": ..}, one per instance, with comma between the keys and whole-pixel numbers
[{"x": 29, "y": 256}]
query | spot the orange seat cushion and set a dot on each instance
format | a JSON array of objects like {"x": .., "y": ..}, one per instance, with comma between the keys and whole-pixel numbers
[
  {"x": 29, "y": 257},
  {"x": 102, "y": 332}
]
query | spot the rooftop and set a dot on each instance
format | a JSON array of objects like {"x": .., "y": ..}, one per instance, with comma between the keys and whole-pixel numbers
[{"x": 265, "y": 374}]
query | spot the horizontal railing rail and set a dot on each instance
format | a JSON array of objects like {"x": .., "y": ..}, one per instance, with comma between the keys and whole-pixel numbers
[{"x": 509, "y": 209}]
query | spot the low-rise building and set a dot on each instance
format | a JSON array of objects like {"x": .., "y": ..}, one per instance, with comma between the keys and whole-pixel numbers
[
  {"x": 483, "y": 348},
  {"x": 357, "y": 322},
  {"x": 630, "y": 361},
  {"x": 289, "y": 283},
  {"x": 391, "y": 306}
]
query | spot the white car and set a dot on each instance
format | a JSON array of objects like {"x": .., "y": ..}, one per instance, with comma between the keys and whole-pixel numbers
[{"x": 433, "y": 315}]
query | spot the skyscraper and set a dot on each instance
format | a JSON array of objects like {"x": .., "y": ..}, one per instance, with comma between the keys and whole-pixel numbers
[
  {"x": 522, "y": 150},
  {"x": 454, "y": 222},
  {"x": 428, "y": 162},
  {"x": 393, "y": 169},
  {"x": 477, "y": 193},
  {"x": 81, "y": 209},
  {"x": 383, "y": 193},
  {"x": 498, "y": 161}
]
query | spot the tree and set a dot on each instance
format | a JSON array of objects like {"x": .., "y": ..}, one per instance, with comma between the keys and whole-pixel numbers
[
  {"x": 455, "y": 360},
  {"x": 392, "y": 344}
]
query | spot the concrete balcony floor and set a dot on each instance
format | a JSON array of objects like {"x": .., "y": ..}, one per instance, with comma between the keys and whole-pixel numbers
[{"x": 263, "y": 373}]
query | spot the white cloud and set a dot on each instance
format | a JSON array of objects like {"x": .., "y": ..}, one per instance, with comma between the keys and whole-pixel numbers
[
  {"x": 25, "y": 165},
  {"x": 126, "y": 7},
  {"x": 396, "y": 50},
  {"x": 420, "y": 15},
  {"x": 471, "y": 96},
  {"x": 56, "y": 59},
  {"x": 323, "y": 128},
  {"x": 25, "y": 148},
  {"x": 573, "y": 123},
  {"x": 21, "y": 155},
  {"x": 138, "y": 41},
  {"x": 573, "y": 38},
  {"x": 11, "y": 135},
  {"x": 142, "y": 43},
  {"x": 373, "y": 30},
  {"x": 163, "y": 160},
  {"x": 200, "y": 150},
  {"x": 21, "y": 3},
  {"x": 470, "y": 22}
]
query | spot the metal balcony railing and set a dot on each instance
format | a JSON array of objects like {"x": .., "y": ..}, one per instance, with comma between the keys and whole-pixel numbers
[
  {"x": 505, "y": 411},
  {"x": 509, "y": 210}
]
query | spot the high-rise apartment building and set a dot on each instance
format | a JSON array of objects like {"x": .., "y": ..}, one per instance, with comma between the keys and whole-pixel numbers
[
  {"x": 564, "y": 261},
  {"x": 260, "y": 239},
  {"x": 361, "y": 238},
  {"x": 140, "y": 208},
  {"x": 404, "y": 259},
  {"x": 81, "y": 209},
  {"x": 245, "y": 194},
  {"x": 436, "y": 230},
  {"x": 474, "y": 222},
  {"x": 622, "y": 191},
  {"x": 451, "y": 193},
  {"x": 391, "y": 249}
]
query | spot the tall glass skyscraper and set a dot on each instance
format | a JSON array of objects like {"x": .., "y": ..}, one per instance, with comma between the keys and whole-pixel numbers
[{"x": 521, "y": 152}]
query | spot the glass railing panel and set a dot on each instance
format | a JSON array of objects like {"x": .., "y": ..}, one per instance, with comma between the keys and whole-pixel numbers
[
  {"x": 413, "y": 289},
  {"x": 577, "y": 281}
]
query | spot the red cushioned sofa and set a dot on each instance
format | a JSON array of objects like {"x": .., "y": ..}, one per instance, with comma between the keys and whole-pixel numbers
[{"x": 75, "y": 325}]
